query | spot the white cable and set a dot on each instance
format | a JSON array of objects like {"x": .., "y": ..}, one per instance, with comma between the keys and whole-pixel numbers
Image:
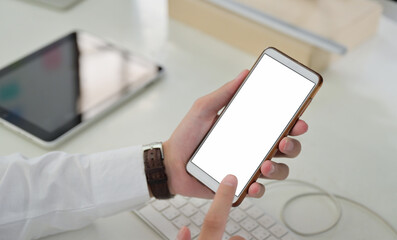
[
  {"x": 322, "y": 192},
  {"x": 332, "y": 197}
]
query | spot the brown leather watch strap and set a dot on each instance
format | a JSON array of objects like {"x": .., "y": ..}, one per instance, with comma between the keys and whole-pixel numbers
[{"x": 155, "y": 172}]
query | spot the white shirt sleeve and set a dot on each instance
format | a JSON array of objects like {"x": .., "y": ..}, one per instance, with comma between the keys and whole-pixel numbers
[{"x": 59, "y": 192}]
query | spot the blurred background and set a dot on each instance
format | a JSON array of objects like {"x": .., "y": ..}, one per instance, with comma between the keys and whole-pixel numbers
[{"x": 351, "y": 145}]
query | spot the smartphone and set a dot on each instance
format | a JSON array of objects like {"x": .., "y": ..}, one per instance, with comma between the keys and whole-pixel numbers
[{"x": 262, "y": 112}]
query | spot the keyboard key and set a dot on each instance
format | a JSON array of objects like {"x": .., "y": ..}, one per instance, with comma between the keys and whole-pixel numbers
[
  {"x": 237, "y": 215},
  {"x": 249, "y": 224},
  {"x": 244, "y": 234},
  {"x": 278, "y": 230},
  {"x": 155, "y": 218},
  {"x": 272, "y": 238},
  {"x": 198, "y": 202},
  {"x": 198, "y": 218},
  {"x": 181, "y": 221},
  {"x": 245, "y": 204},
  {"x": 225, "y": 236},
  {"x": 260, "y": 233},
  {"x": 232, "y": 227},
  {"x": 194, "y": 231},
  {"x": 160, "y": 205},
  {"x": 255, "y": 212},
  {"x": 170, "y": 213},
  {"x": 266, "y": 221},
  {"x": 206, "y": 207},
  {"x": 188, "y": 210},
  {"x": 178, "y": 201},
  {"x": 289, "y": 236}
]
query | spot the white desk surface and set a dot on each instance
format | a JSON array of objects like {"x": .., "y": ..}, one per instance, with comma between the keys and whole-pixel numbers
[{"x": 351, "y": 145}]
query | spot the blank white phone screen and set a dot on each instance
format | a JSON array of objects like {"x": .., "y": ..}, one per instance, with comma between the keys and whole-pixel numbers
[{"x": 253, "y": 122}]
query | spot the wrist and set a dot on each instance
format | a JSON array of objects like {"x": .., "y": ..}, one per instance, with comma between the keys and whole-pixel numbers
[{"x": 168, "y": 167}]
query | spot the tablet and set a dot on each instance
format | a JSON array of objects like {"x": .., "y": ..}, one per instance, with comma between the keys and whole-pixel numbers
[{"x": 54, "y": 92}]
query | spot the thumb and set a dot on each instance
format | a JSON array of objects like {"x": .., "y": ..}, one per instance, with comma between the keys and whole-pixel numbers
[
  {"x": 184, "y": 234},
  {"x": 220, "y": 97}
]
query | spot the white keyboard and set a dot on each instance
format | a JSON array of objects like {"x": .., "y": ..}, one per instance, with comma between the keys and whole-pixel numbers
[{"x": 247, "y": 220}]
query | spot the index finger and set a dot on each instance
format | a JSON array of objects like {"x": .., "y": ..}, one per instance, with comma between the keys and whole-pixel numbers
[{"x": 216, "y": 218}]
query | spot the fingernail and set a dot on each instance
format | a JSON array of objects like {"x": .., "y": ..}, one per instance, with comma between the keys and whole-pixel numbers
[
  {"x": 289, "y": 145},
  {"x": 272, "y": 169},
  {"x": 230, "y": 180}
]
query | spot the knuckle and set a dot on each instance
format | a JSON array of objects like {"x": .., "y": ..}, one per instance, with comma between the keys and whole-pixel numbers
[
  {"x": 200, "y": 104},
  {"x": 213, "y": 222},
  {"x": 284, "y": 169},
  {"x": 202, "y": 109},
  {"x": 298, "y": 146},
  {"x": 225, "y": 193}
]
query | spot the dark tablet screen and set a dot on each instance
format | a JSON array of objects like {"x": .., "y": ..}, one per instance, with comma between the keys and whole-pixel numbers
[{"x": 68, "y": 82}]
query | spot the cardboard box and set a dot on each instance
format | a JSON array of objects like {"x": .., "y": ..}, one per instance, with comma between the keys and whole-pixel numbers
[{"x": 348, "y": 22}]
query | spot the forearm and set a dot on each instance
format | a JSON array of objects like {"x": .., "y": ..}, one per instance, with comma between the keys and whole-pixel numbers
[{"x": 59, "y": 192}]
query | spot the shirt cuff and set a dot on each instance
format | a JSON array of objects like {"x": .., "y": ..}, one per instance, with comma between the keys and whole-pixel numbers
[{"x": 119, "y": 180}]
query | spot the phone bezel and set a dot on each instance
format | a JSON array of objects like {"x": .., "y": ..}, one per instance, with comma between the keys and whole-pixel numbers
[{"x": 294, "y": 65}]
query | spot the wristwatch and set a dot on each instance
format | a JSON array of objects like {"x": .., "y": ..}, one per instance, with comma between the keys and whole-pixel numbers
[{"x": 156, "y": 177}]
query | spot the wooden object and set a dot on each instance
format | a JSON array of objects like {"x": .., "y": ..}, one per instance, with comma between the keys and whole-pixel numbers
[{"x": 348, "y": 22}]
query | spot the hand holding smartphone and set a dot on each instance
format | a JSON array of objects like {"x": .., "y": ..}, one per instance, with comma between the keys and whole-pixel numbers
[{"x": 263, "y": 110}]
